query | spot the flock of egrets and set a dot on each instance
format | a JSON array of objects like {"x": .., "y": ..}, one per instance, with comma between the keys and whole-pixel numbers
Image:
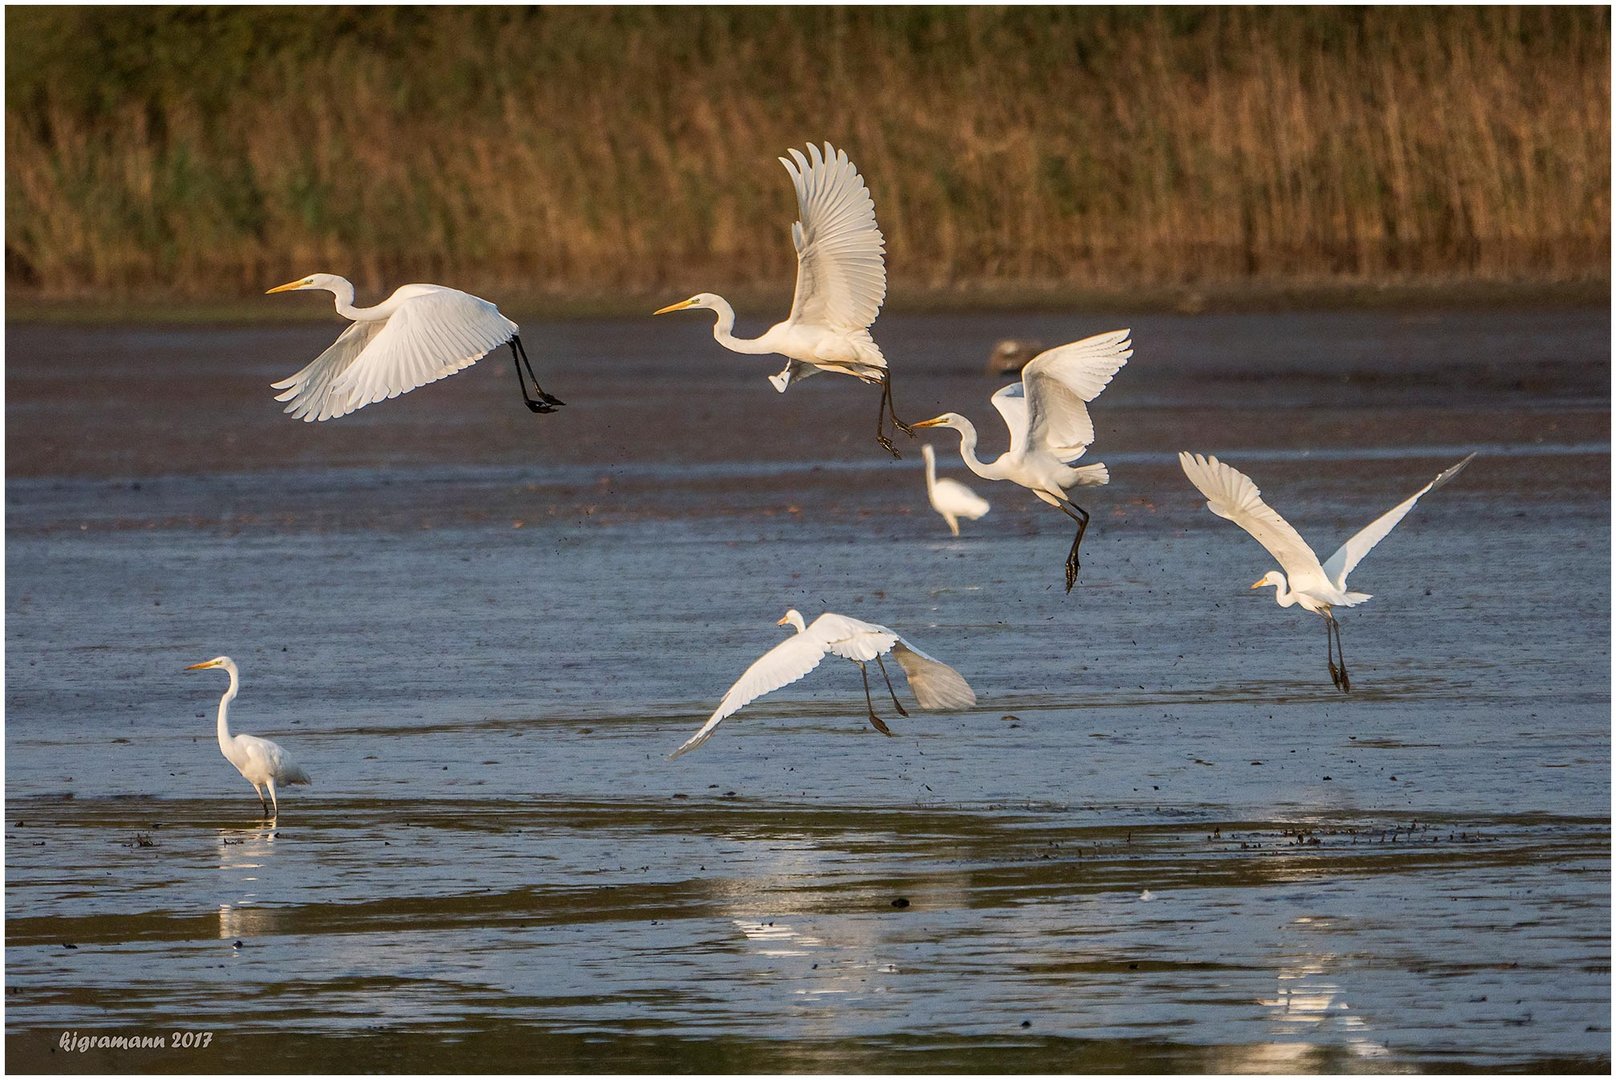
[{"x": 422, "y": 333}]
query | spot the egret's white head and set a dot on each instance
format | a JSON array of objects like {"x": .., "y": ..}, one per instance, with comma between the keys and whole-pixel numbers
[
  {"x": 948, "y": 419},
  {"x": 313, "y": 281},
  {"x": 1273, "y": 577},
  {"x": 793, "y": 618},
  {"x": 217, "y": 662},
  {"x": 700, "y": 300}
]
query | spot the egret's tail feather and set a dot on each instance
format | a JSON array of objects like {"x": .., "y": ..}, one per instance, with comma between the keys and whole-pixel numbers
[{"x": 1091, "y": 475}]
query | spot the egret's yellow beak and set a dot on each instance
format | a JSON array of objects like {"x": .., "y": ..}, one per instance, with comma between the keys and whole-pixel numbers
[
  {"x": 1259, "y": 583},
  {"x": 298, "y": 284},
  {"x": 782, "y": 620},
  {"x": 203, "y": 664},
  {"x": 680, "y": 306},
  {"x": 933, "y": 422}
]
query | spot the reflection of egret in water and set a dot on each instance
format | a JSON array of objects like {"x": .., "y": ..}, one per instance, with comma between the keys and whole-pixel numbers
[
  {"x": 242, "y": 853},
  {"x": 1309, "y": 1007}
]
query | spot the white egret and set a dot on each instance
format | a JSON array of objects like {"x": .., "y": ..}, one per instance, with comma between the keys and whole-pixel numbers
[
  {"x": 1316, "y": 587},
  {"x": 420, "y": 334},
  {"x": 262, "y": 762},
  {"x": 950, "y": 498},
  {"x": 1050, "y": 426},
  {"x": 935, "y": 684},
  {"x": 841, "y": 283}
]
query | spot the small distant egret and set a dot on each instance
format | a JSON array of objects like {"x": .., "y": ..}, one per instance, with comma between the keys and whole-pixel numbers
[
  {"x": 950, "y": 498},
  {"x": 262, "y": 762},
  {"x": 841, "y": 283},
  {"x": 1316, "y": 587},
  {"x": 1050, "y": 426},
  {"x": 935, "y": 684},
  {"x": 420, "y": 334}
]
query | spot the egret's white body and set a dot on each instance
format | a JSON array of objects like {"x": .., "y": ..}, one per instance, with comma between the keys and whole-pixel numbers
[
  {"x": 950, "y": 498},
  {"x": 1049, "y": 424},
  {"x": 262, "y": 762},
  {"x": 420, "y": 334},
  {"x": 1306, "y": 582},
  {"x": 935, "y": 684},
  {"x": 841, "y": 281}
]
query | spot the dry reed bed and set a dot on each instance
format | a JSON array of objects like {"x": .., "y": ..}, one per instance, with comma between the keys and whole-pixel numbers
[{"x": 572, "y": 150}]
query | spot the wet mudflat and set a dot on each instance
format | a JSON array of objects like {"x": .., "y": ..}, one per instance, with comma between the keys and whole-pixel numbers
[{"x": 1161, "y": 842}]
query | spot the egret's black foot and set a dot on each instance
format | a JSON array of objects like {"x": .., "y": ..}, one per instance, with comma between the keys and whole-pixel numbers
[
  {"x": 901, "y": 710},
  {"x": 1345, "y": 684},
  {"x": 879, "y": 725},
  {"x": 550, "y": 399},
  {"x": 886, "y": 444},
  {"x": 1071, "y": 574},
  {"x": 543, "y": 406}
]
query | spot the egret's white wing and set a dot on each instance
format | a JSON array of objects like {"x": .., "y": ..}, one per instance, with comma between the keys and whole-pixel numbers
[
  {"x": 1011, "y": 401},
  {"x": 1348, "y": 555},
  {"x": 1060, "y": 381},
  {"x": 309, "y": 391},
  {"x": 841, "y": 274},
  {"x": 935, "y": 684},
  {"x": 1231, "y": 494},
  {"x": 780, "y": 666},
  {"x": 430, "y": 336},
  {"x": 272, "y": 758},
  {"x": 850, "y": 638}
]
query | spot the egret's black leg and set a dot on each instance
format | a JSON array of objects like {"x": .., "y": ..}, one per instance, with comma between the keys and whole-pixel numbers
[
  {"x": 881, "y": 420},
  {"x": 1329, "y": 653},
  {"x": 1081, "y": 516},
  {"x": 896, "y": 704},
  {"x": 1341, "y": 657},
  {"x": 892, "y": 409},
  {"x": 875, "y": 720},
  {"x": 545, "y": 402}
]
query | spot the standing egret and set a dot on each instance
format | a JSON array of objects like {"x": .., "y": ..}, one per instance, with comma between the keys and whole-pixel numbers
[
  {"x": 935, "y": 684},
  {"x": 262, "y": 762},
  {"x": 1316, "y": 587},
  {"x": 420, "y": 334},
  {"x": 841, "y": 283},
  {"x": 1050, "y": 426},
  {"x": 950, "y": 498}
]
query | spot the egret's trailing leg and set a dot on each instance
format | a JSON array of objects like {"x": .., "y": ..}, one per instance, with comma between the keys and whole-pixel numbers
[
  {"x": 896, "y": 704},
  {"x": 546, "y": 402},
  {"x": 875, "y": 720},
  {"x": 1082, "y": 518},
  {"x": 881, "y": 420},
  {"x": 1341, "y": 680}
]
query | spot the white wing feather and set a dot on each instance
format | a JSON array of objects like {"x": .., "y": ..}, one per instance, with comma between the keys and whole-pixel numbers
[
  {"x": 1231, "y": 494},
  {"x": 430, "y": 336},
  {"x": 780, "y": 666},
  {"x": 1060, "y": 381},
  {"x": 935, "y": 684},
  {"x": 309, "y": 391},
  {"x": 1348, "y": 555},
  {"x": 841, "y": 271}
]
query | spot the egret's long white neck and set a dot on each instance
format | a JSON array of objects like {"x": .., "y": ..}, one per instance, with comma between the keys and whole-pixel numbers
[
  {"x": 1283, "y": 596},
  {"x": 343, "y": 290},
  {"x": 987, "y": 470},
  {"x": 225, "y": 739},
  {"x": 931, "y": 467},
  {"x": 725, "y": 323}
]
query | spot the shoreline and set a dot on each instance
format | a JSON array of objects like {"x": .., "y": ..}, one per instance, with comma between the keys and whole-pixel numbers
[{"x": 1226, "y": 298}]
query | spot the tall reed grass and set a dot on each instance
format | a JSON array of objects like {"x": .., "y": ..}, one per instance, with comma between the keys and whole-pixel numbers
[{"x": 576, "y": 150}]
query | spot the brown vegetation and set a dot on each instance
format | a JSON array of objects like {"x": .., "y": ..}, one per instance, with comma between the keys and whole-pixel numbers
[{"x": 214, "y": 151}]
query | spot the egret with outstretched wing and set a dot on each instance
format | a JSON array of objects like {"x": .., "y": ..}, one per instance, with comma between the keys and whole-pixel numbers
[
  {"x": 935, "y": 684},
  {"x": 1314, "y": 586},
  {"x": 841, "y": 284},
  {"x": 420, "y": 334},
  {"x": 1050, "y": 428}
]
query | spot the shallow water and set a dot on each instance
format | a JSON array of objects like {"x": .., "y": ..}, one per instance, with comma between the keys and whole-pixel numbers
[{"x": 1161, "y": 842}]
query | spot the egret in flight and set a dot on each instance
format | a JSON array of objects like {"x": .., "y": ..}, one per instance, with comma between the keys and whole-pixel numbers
[
  {"x": 1316, "y": 587},
  {"x": 950, "y": 498},
  {"x": 262, "y": 762},
  {"x": 420, "y": 334},
  {"x": 841, "y": 283},
  {"x": 1050, "y": 426},
  {"x": 935, "y": 684}
]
